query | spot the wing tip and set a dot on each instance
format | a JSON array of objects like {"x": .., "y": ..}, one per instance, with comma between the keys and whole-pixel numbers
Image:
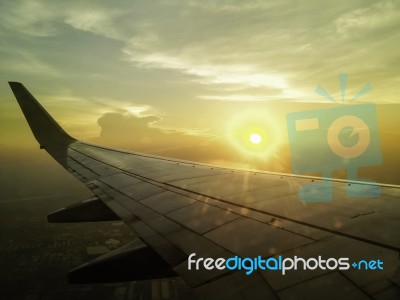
[
  {"x": 11, "y": 83},
  {"x": 15, "y": 85}
]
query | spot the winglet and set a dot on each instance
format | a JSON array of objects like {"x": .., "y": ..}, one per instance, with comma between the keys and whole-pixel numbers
[{"x": 46, "y": 130}]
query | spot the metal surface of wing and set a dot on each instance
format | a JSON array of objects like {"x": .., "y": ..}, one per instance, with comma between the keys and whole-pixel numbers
[{"x": 178, "y": 208}]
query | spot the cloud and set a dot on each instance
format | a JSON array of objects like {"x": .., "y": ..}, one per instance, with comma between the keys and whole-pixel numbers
[
  {"x": 79, "y": 115},
  {"x": 33, "y": 18},
  {"x": 237, "y": 97},
  {"x": 139, "y": 131},
  {"x": 231, "y": 6},
  {"x": 22, "y": 61},
  {"x": 379, "y": 15},
  {"x": 291, "y": 49},
  {"x": 40, "y": 18},
  {"x": 143, "y": 134},
  {"x": 185, "y": 56},
  {"x": 241, "y": 75},
  {"x": 150, "y": 49},
  {"x": 95, "y": 20}
]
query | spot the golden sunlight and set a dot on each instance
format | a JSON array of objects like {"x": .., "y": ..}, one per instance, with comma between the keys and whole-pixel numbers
[
  {"x": 255, "y": 138},
  {"x": 254, "y": 133}
]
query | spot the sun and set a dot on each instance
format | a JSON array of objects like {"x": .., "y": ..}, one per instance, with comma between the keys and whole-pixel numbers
[
  {"x": 254, "y": 133},
  {"x": 255, "y": 138}
]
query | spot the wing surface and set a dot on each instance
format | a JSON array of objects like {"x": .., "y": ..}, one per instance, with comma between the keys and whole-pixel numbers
[{"x": 179, "y": 207}]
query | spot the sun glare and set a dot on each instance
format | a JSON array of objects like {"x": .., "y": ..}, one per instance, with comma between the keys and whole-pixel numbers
[
  {"x": 255, "y": 138},
  {"x": 254, "y": 133}
]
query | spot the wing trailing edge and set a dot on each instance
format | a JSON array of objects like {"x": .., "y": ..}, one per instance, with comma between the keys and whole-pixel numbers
[
  {"x": 91, "y": 210},
  {"x": 132, "y": 262}
]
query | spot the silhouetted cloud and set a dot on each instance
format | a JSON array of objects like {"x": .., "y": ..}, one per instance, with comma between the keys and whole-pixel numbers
[{"x": 141, "y": 134}]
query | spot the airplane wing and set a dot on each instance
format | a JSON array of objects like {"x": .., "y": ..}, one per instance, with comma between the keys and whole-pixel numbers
[{"x": 179, "y": 208}]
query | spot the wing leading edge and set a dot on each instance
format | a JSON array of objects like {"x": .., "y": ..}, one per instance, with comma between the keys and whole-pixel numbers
[{"x": 178, "y": 208}]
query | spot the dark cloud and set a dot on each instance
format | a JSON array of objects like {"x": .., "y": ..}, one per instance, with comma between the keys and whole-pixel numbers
[{"x": 119, "y": 127}]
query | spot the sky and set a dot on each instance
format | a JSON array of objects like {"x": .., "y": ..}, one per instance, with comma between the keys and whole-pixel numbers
[{"x": 195, "y": 79}]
